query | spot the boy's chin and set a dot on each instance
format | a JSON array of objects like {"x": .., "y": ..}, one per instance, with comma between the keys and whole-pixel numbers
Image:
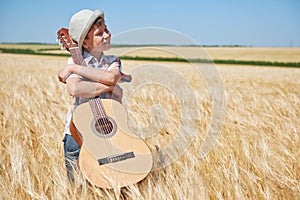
[{"x": 106, "y": 47}]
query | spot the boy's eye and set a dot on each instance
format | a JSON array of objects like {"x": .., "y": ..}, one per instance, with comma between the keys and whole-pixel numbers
[
  {"x": 100, "y": 33},
  {"x": 106, "y": 29}
]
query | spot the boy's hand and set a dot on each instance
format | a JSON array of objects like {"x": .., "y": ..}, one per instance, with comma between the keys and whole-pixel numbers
[
  {"x": 125, "y": 78},
  {"x": 117, "y": 93},
  {"x": 66, "y": 72}
]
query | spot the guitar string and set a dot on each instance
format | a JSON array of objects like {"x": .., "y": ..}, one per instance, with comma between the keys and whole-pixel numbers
[
  {"x": 78, "y": 59},
  {"x": 99, "y": 123},
  {"x": 101, "y": 108},
  {"x": 107, "y": 128},
  {"x": 108, "y": 125},
  {"x": 116, "y": 143},
  {"x": 100, "y": 118}
]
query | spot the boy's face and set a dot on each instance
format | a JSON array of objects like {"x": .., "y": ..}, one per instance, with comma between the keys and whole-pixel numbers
[{"x": 98, "y": 39}]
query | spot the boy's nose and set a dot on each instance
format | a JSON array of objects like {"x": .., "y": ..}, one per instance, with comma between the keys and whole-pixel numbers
[{"x": 107, "y": 34}]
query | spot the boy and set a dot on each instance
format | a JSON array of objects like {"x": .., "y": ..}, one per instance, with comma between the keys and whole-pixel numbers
[{"x": 88, "y": 29}]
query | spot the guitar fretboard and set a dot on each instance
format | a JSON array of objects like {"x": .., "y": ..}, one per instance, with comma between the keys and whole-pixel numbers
[
  {"x": 97, "y": 108},
  {"x": 77, "y": 56},
  {"x": 95, "y": 103}
]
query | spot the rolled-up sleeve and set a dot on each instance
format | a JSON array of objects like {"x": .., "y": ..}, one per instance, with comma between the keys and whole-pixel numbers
[{"x": 70, "y": 61}]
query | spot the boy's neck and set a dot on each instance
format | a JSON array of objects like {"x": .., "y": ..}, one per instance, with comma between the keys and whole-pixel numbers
[{"x": 97, "y": 55}]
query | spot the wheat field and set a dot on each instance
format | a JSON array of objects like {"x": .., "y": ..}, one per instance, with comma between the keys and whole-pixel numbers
[
  {"x": 256, "y": 156},
  {"x": 278, "y": 54},
  {"x": 215, "y": 53}
]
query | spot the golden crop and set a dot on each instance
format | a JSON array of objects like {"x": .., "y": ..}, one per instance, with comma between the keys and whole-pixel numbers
[{"x": 256, "y": 155}]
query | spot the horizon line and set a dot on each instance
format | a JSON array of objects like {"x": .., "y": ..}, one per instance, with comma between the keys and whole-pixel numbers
[{"x": 141, "y": 45}]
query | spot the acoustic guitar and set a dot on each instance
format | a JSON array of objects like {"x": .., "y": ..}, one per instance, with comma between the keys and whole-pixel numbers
[{"x": 111, "y": 155}]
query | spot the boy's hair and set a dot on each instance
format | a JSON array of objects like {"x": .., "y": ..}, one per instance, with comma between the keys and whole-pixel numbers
[{"x": 98, "y": 22}]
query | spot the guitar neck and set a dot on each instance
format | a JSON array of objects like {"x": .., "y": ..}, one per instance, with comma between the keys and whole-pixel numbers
[{"x": 77, "y": 56}]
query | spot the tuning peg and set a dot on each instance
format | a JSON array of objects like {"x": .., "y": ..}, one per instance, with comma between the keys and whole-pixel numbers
[
  {"x": 61, "y": 44},
  {"x": 59, "y": 41},
  {"x": 62, "y": 47}
]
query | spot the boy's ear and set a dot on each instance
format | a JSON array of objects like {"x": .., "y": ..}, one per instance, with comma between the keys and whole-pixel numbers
[{"x": 84, "y": 44}]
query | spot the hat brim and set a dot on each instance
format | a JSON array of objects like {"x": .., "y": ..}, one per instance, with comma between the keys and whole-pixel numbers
[{"x": 89, "y": 24}]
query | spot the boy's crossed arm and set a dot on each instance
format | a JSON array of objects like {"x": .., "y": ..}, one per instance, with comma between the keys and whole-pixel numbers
[{"x": 106, "y": 77}]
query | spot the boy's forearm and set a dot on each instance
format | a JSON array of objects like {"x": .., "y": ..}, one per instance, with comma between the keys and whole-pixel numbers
[
  {"x": 86, "y": 89},
  {"x": 98, "y": 75}
]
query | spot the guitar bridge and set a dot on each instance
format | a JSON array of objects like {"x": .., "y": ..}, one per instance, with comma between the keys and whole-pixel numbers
[{"x": 116, "y": 158}]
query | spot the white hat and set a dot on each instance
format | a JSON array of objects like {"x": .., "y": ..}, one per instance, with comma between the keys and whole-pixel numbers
[{"x": 80, "y": 24}]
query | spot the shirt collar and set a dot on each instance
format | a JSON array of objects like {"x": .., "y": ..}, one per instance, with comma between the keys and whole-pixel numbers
[{"x": 90, "y": 59}]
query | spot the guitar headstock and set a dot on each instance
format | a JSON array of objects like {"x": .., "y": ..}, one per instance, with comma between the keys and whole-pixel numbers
[{"x": 64, "y": 39}]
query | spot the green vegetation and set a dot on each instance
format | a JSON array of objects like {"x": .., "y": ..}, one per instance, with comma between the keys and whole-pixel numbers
[
  {"x": 233, "y": 62},
  {"x": 32, "y": 46},
  {"x": 32, "y": 52},
  {"x": 40, "y": 49}
]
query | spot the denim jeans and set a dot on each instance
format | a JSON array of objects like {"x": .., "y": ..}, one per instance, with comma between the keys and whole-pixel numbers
[{"x": 71, "y": 150}]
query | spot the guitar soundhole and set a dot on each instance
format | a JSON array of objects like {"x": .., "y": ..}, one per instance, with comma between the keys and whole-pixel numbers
[{"x": 104, "y": 126}]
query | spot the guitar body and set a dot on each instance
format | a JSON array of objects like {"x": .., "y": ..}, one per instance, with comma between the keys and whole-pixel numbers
[{"x": 115, "y": 158}]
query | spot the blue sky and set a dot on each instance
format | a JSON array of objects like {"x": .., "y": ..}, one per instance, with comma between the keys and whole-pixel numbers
[{"x": 274, "y": 23}]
